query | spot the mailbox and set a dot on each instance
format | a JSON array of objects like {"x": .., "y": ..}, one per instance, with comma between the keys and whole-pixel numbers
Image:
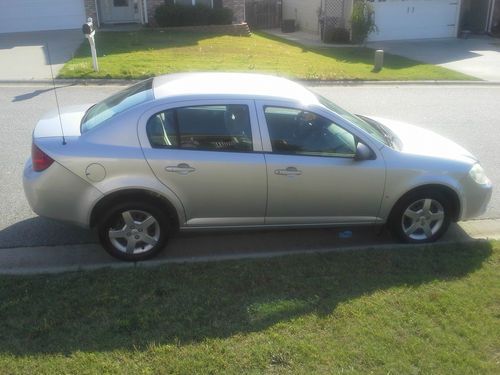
[
  {"x": 89, "y": 32},
  {"x": 88, "y": 27}
]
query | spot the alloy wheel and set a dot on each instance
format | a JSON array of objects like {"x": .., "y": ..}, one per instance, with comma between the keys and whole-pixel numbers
[
  {"x": 423, "y": 219},
  {"x": 134, "y": 232}
]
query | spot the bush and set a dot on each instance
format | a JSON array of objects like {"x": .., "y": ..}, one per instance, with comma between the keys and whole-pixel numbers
[
  {"x": 181, "y": 15},
  {"x": 362, "y": 21},
  {"x": 337, "y": 35}
]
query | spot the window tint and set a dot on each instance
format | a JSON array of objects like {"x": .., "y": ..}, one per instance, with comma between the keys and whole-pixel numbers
[
  {"x": 293, "y": 131},
  {"x": 209, "y": 128}
]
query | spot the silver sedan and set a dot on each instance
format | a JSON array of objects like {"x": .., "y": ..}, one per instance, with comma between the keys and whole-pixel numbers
[{"x": 225, "y": 150}]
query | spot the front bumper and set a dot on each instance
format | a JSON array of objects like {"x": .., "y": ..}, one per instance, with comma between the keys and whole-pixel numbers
[
  {"x": 476, "y": 199},
  {"x": 59, "y": 194}
]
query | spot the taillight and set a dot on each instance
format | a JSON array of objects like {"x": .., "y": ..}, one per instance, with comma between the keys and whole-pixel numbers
[{"x": 41, "y": 161}]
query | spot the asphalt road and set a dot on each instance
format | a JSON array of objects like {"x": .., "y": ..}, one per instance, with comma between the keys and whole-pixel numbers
[{"x": 470, "y": 115}]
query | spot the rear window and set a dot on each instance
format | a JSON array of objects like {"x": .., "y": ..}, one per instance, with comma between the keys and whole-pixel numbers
[{"x": 116, "y": 104}]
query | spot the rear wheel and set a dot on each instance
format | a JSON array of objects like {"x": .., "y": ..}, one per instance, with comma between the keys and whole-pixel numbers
[
  {"x": 134, "y": 231},
  {"x": 421, "y": 217}
]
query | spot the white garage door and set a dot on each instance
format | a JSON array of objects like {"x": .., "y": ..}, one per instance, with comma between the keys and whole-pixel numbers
[
  {"x": 33, "y": 15},
  {"x": 415, "y": 19}
]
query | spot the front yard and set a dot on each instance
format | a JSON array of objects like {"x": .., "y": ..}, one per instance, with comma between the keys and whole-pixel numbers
[
  {"x": 135, "y": 55},
  {"x": 427, "y": 310}
]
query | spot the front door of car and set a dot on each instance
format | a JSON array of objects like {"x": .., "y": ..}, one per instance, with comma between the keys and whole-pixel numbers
[
  {"x": 313, "y": 177},
  {"x": 210, "y": 155}
]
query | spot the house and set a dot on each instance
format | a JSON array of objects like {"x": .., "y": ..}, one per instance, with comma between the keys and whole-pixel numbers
[
  {"x": 37, "y": 15},
  {"x": 400, "y": 19}
]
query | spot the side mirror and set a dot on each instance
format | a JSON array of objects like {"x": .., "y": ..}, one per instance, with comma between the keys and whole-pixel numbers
[{"x": 363, "y": 152}]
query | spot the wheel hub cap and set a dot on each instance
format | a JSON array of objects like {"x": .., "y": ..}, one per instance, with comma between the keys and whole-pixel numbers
[
  {"x": 422, "y": 219},
  {"x": 134, "y": 232}
]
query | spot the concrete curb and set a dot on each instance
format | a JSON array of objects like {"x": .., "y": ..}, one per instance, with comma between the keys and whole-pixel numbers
[
  {"x": 71, "y": 258},
  {"x": 126, "y": 82},
  {"x": 113, "y": 264}
]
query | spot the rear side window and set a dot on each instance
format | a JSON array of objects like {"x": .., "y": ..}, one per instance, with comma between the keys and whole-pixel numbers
[
  {"x": 117, "y": 103},
  {"x": 206, "y": 128}
]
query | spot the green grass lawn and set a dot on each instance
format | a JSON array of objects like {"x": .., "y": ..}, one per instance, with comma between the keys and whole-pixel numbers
[
  {"x": 132, "y": 55},
  {"x": 432, "y": 310}
]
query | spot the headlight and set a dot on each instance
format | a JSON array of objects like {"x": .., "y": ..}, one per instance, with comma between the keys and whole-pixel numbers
[{"x": 478, "y": 175}]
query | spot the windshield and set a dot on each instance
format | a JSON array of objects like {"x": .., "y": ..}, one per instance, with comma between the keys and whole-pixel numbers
[
  {"x": 117, "y": 103},
  {"x": 371, "y": 128}
]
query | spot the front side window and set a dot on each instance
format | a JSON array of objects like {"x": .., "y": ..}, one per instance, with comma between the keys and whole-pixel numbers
[
  {"x": 375, "y": 131},
  {"x": 117, "y": 103},
  {"x": 206, "y": 128},
  {"x": 293, "y": 131}
]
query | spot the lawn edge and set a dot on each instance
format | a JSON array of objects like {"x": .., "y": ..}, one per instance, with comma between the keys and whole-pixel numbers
[
  {"x": 126, "y": 82},
  {"x": 221, "y": 258}
]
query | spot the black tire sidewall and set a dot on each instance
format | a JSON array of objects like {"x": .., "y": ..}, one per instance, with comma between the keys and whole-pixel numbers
[
  {"x": 110, "y": 217},
  {"x": 397, "y": 213}
]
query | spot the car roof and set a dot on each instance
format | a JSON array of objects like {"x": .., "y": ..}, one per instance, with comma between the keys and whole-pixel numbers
[{"x": 237, "y": 85}]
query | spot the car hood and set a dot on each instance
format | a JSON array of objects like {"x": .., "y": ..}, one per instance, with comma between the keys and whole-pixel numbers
[
  {"x": 68, "y": 119},
  {"x": 419, "y": 141}
]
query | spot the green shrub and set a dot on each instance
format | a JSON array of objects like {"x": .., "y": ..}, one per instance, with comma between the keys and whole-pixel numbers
[
  {"x": 362, "y": 21},
  {"x": 168, "y": 15}
]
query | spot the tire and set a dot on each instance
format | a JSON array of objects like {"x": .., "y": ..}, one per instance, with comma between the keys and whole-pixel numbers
[
  {"x": 134, "y": 231},
  {"x": 421, "y": 217}
]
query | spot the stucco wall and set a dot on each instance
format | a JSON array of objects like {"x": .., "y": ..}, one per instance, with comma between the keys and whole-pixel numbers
[{"x": 305, "y": 13}]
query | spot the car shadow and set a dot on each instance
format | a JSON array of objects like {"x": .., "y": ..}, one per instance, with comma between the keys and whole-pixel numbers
[
  {"x": 179, "y": 304},
  {"x": 39, "y": 231}
]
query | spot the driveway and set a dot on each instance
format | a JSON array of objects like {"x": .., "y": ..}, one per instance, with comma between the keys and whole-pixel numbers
[
  {"x": 23, "y": 56},
  {"x": 477, "y": 56}
]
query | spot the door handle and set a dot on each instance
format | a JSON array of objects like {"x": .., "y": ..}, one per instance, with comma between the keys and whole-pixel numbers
[
  {"x": 290, "y": 171},
  {"x": 182, "y": 169}
]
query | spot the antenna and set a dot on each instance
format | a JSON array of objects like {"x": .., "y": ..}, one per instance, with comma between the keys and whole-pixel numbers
[{"x": 55, "y": 93}]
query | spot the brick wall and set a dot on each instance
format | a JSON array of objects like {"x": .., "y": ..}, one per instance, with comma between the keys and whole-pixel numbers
[
  {"x": 90, "y": 10},
  {"x": 238, "y": 7},
  {"x": 152, "y": 4}
]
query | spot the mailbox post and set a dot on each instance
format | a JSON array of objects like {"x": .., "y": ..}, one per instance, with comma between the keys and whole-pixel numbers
[{"x": 89, "y": 32}]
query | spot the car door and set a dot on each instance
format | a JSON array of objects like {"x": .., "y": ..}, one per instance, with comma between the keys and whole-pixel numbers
[
  {"x": 313, "y": 177},
  {"x": 209, "y": 153}
]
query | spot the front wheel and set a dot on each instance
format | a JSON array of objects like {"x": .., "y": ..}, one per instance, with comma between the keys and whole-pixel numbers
[
  {"x": 421, "y": 217},
  {"x": 134, "y": 232}
]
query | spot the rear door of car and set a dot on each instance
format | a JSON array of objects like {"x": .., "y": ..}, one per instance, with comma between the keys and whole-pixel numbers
[
  {"x": 313, "y": 177},
  {"x": 209, "y": 153}
]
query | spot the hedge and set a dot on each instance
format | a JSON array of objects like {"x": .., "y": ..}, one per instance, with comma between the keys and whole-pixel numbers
[{"x": 168, "y": 15}]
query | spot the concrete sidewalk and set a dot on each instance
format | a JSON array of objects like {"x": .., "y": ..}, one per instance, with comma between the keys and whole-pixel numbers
[
  {"x": 224, "y": 246},
  {"x": 477, "y": 56},
  {"x": 24, "y": 57}
]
